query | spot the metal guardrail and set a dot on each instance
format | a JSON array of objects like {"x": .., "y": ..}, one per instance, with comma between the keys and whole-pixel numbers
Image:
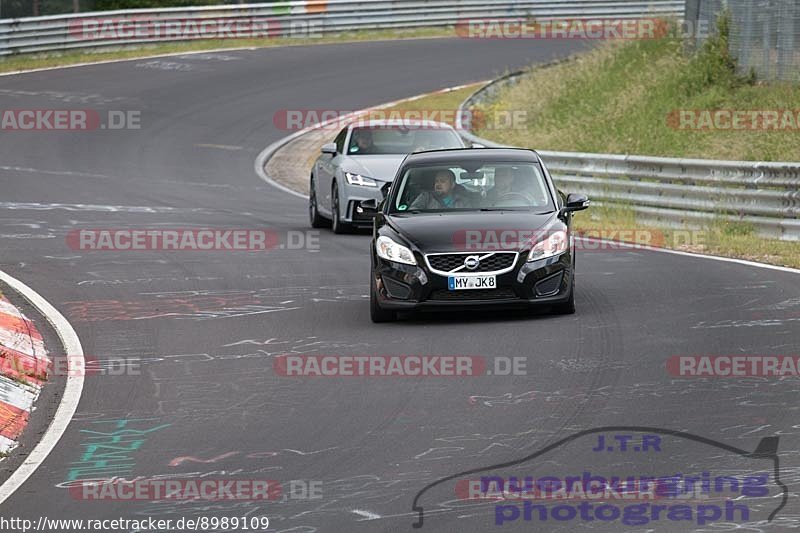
[
  {"x": 63, "y": 32},
  {"x": 675, "y": 192}
]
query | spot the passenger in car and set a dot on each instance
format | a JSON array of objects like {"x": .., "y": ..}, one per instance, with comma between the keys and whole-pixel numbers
[{"x": 508, "y": 187}]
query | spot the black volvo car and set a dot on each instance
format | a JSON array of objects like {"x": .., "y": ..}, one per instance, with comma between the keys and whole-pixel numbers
[{"x": 473, "y": 228}]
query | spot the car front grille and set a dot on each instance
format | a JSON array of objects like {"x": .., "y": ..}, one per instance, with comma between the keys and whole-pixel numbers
[
  {"x": 492, "y": 263},
  {"x": 475, "y": 294}
]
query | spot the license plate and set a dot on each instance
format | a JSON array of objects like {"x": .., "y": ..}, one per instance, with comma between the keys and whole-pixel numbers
[{"x": 459, "y": 283}]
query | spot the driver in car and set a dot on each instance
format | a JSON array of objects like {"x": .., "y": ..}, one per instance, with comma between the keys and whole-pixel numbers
[
  {"x": 363, "y": 138},
  {"x": 445, "y": 195}
]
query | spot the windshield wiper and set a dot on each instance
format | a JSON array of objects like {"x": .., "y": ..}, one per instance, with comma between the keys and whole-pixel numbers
[{"x": 490, "y": 209}]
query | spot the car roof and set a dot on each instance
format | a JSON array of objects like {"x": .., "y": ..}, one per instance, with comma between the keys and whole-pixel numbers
[
  {"x": 458, "y": 155},
  {"x": 406, "y": 123}
]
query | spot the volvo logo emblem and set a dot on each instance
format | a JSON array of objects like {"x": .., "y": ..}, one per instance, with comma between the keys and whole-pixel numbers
[{"x": 472, "y": 262}]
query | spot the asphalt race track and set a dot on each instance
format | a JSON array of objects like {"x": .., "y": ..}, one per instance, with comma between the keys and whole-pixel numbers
[{"x": 203, "y": 328}]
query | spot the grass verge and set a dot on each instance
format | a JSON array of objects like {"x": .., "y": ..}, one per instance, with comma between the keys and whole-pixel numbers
[{"x": 623, "y": 98}]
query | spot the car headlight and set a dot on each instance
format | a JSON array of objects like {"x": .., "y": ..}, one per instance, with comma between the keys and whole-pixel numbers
[
  {"x": 555, "y": 243},
  {"x": 358, "y": 179},
  {"x": 391, "y": 251}
]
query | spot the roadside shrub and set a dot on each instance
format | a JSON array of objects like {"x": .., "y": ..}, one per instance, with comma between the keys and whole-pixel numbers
[{"x": 713, "y": 65}]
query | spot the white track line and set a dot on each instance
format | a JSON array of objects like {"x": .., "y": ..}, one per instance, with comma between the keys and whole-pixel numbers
[
  {"x": 366, "y": 514},
  {"x": 698, "y": 256},
  {"x": 266, "y": 155},
  {"x": 72, "y": 391}
]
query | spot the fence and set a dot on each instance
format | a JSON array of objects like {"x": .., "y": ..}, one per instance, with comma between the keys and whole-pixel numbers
[
  {"x": 675, "y": 192},
  {"x": 765, "y": 34},
  {"x": 63, "y": 32}
]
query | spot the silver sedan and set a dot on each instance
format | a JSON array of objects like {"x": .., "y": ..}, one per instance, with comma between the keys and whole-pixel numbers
[{"x": 361, "y": 161}]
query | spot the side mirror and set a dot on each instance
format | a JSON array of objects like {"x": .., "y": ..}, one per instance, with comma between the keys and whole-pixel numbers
[
  {"x": 575, "y": 202},
  {"x": 329, "y": 148},
  {"x": 478, "y": 145},
  {"x": 386, "y": 188},
  {"x": 371, "y": 204}
]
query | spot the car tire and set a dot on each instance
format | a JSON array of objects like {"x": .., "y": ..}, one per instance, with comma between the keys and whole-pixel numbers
[
  {"x": 317, "y": 220},
  {"x": 568, "y": 307},
  {"x": 376, "y": 313},
  {"x": 337, "y": 225}
]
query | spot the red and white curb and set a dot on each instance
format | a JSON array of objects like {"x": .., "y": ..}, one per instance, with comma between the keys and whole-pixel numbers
[
  {"x": 23, "y": 368},
  {"x": 69, "y": 398}
]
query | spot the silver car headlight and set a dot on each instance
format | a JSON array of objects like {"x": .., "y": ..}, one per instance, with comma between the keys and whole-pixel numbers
[
  {"x": 555, "y": 243},
  {"x": 391, "y": 251},
  {"x": 358, "y": 179}
]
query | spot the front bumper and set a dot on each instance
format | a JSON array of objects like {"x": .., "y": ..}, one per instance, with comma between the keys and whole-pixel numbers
[
  {"x": 414, "y": 287},
  {"x": 351, "y": 199}
]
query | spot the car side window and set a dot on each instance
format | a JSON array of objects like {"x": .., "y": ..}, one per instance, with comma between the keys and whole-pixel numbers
[{"x": 340, "y": 141}]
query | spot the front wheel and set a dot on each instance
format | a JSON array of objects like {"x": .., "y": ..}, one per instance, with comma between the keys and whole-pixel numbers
[
  {"x": 376, "y": 313},
  {"x": 568, "y": 307}
]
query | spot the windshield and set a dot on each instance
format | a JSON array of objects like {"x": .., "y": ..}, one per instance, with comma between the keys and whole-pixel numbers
[
  {"x": 491, "y": 186},
  {"x": 400, "y": 140}
]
